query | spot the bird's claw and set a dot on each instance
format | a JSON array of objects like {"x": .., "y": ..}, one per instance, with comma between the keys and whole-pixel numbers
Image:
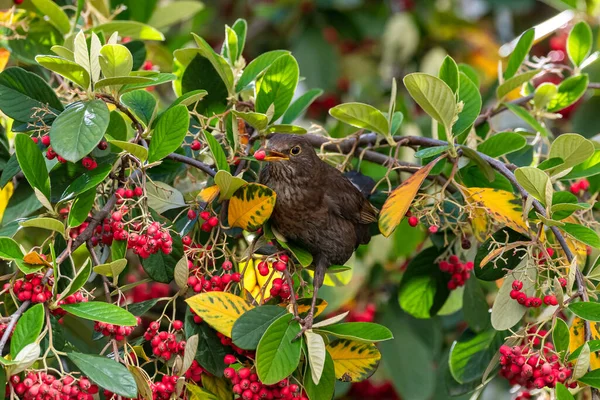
[{"x": 306, "y": 323}]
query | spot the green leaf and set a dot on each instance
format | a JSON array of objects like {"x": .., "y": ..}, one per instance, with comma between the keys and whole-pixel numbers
[
  {"x": 562, "y": 393},
  {"x": 163, "y": 197},
  {"x": 10, "y": 250},
  {"x": 169, "y": 132},
  {"x": 32, "y": 163},
  {"x": 132, "y": 29},
  {"x": 210, "y": 351},
  {"x": 572, "y": 148},
  {"x": 560, "y": 335},
  {"x": 592, "y": 378},
  {"x": 278, "y": 354},
  {"x": 11, "y": 169},
  {"x": 252, "y": 325},
  {"x": 569, "y": 91},
  {"x": 535, "y": 181},
  {"x": 361, "y": 116},
  {"x": 579, "y": 43},
  {"x": 217, "y": 152},
  {"x": 240, "y": 27},
  {"x": 589, "y": 311},
  {"x": 160, "y": 267},
  {"x": 434, "y": 96},
  {"x": 475, "y": 306},
  {"x": 424, "y": 288},
  {"x": 519, "y": 53},
  {"x": 505, "y": 262},
  {"x": 469, "y": 94},
  {"x": 141, "y": 308},
  {"x": 484, "y": 166},
  {"x": 112, "y": 269},
  {"x": 471, "y": 354},
  {"x": 115, "y": 60},
  {"x": 470, "y": 73},
  {"x": 449, "y": 73},
  {"x": 324, "y": 390},
  {"x": 258, "y": 66},
  {"x": 283, "y": 128},
  {"x": 103, "y": 312},
  {"x": 157, "y": 78},
  {"x": 56, "y": 16},
  {"x": 63, "y": 52},
  {"x": 300, "y": 105},
  {"x": 136, "y": 150},
  {"x": 50, "y": 224},
  {"x": 359, "y": 331},
  {"x": 511, "y": 84},
  {"x": 582, "y": 364},
  {"x": 87, "y": 180},
  {"x": 117, "y": 82},
  {"x": 218, "y": 62},
  {"x": 227, "y": 184},
  {"x": 28, "y": 329},
  {"x": 142, "y": 103},
  {"x": 79, "y": 129},
  {"x": 106, "y": 373},
  {"x": 117, "y": 129},
  {"x": 315, "y": 347},
  {"x": 277, "y": 86},
  {"x": 502, "y": 143},
  {"x": 80, "y": 279},
  {"x": 66, "y": 68},
  {"x": 530, "y": 120},
  {"x": 431, "y": 151},
  {"x": 589, "y": 167},
  {"x": 301, "y": 254},
  {"x": 190, "y": 98},
  {"x": 230, "y": 46},
  {"x": 257, "y": 120},
  {"x": 506, "y": 312},
  {"x": 544, "y": 94},
  {"x": 582, "y": 234}
]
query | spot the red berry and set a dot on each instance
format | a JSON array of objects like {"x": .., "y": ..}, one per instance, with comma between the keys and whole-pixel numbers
[
  {"x": 229, "y": 359},
  {"x": 517, "y": 285},
  {"x": 177, "y": 324},
  {"x": 196, "y": 145},
  {"x": 138, "y": 191},
  {"x": 413, "y": 221},
  {"x": 562, "y": 281},
  {"x": 103, "y": 145},
  {"x": 433, "y": 229},
  {"x": 205, "y": 215},
  {"x": 46, "y": 140},
  {"x": 260, "y": 155},
  {"x": 191, "y": 214},
  {"x": 213, "y": 221},
  {"x": 147, "y": 65},
  {"x": 280, "y": 266},
  {"x": 229, "y": 372}
]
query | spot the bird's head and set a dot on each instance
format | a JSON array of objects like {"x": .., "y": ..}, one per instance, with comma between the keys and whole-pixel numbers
[{"x": 287, "y": 150}]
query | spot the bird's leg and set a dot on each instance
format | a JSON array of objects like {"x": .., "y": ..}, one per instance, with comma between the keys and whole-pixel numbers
[{"x": 307, "y": 322}]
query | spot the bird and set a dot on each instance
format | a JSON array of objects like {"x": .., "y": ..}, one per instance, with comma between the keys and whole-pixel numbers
[{"x": 316, "y": 207}]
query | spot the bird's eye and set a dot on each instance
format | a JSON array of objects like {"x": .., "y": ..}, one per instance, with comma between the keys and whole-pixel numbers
[{"x": 295, "y": 150}]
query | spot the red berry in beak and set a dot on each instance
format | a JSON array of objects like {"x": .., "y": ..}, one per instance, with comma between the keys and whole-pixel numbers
[{"x": 260, "y": 155}]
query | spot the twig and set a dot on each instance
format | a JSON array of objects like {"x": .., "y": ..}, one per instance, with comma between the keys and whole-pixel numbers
[{"x": 194, "y": 163}]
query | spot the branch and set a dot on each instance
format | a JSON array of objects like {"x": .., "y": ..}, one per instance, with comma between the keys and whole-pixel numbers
[{"x": 193, "y": 162}]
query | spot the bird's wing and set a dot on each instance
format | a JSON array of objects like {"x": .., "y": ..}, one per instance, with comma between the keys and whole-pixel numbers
[{"x": 344, "y": 199}]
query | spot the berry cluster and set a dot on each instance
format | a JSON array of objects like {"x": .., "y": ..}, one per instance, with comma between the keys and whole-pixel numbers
[
  {"x": 130, "y": 193},
  {"x": 247, "y": 386},
  {"x": 165, "y": 388},
  {"x": 280, "y": 288},
  {"x": 116, "y": 331},
  {"x": 76, "y": 297},
  {"x": 165, "y": 344},
  {"x": 209, "y": 223},
  {"x": 43, "y": 386},
  {"x": 460, "y": 272},
  {"x": 194, "y": 373},
  {"x": 528, "y": 368},
  {"x": 30, "y": 287},
  {"x": 531, "y": 302},
  {"x": 280, "y": 264},
  {"x": 156, "y": 238},
  {"x": 579, "y": 187}
]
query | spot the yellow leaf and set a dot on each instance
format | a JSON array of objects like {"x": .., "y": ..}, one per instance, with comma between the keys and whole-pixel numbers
[
  {"x": 501, "y": 206},
  {"x": 577, "y": 339},
  {"x": 139, "y": 351},
  {"x": 5, "y": 195},
  {"x": 4, "y": 56},
  {"x": 399, "y": 201},
  {"x": 249, "y": 271},
  {"x": 34, "y": 258},
  {"x": 141, "y": 379},
  {"x": 217, "y": 386},
  {"x": 219, "y": 309},
  {"x": 319, "y": 307},
  {"x": 208, "y": 194},
  {"x": 251, "y": 206},
  {"x": 353, "y": 361}
]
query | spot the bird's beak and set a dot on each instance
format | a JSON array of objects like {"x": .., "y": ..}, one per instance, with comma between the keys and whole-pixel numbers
[{"x": 272, "y": 155}]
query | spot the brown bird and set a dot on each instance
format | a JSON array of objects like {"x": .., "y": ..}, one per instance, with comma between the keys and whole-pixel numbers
[{"x": 317, "y": 207}]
